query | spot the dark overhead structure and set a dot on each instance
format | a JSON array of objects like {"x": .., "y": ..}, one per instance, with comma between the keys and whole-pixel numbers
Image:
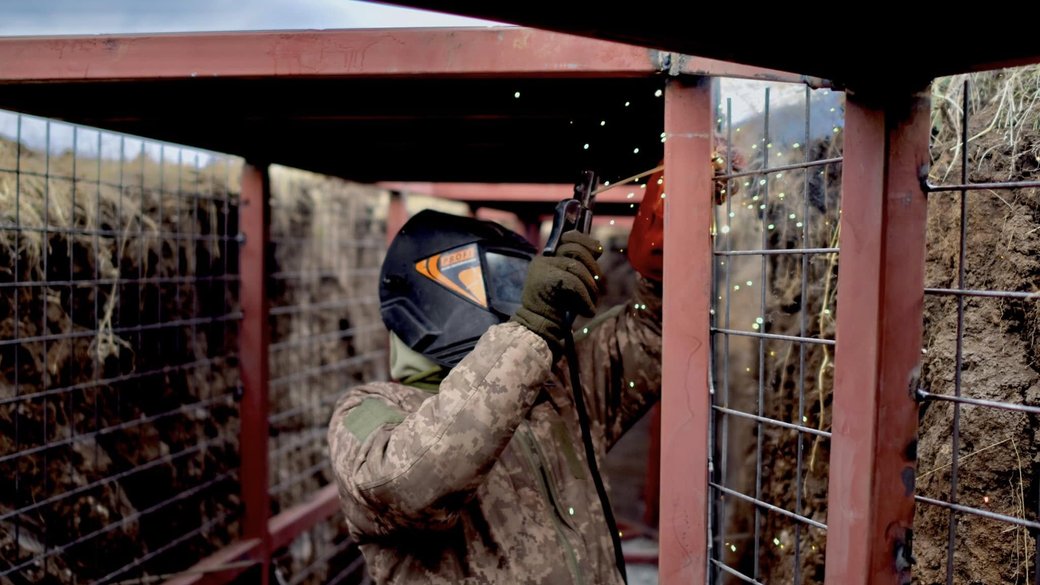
[
  {"x": 855, "y": 52},
  {"x": 504, "y": 105}
]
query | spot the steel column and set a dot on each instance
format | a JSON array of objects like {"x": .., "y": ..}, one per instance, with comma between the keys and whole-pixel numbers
[
  {"x": 254, "y": 214},
  {"x": 879, "y": 332},
  {"x": 686, "y": 404}
]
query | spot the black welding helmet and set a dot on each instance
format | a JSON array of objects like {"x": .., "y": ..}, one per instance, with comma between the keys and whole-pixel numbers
[{"x": 447, "y": 279}]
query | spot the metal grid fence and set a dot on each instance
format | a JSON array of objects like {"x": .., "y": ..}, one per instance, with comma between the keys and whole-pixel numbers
[
  {"x": 118, "y": 423},
  {"x": 977, "y": 516},
  {"x": 328, "y": 238},
  {"x": 775, "y": 237},
  {"x": 327, "y": 335}
]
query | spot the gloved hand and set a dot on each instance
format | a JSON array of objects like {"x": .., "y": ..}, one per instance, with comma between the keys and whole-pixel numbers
[{"x": 556, "y": 285}]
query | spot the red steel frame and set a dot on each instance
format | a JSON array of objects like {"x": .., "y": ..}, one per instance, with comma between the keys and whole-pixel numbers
[
  {"x": 880, "y": 325},
  {"x": 880, "y": 296},
  {"x": 498, "y": 52},
  {"x": 881, "y": 302},
  {"x": 255, "y": 216},
  {"x": 685, "y": 401},
  {"x": 429, "y": 53}
]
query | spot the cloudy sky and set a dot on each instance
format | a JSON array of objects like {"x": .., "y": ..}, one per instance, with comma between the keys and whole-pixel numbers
[{"x": 52, "y": 17}]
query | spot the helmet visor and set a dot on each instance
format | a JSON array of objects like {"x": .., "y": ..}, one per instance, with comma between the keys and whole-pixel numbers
[{"x": 505, "y": 280}]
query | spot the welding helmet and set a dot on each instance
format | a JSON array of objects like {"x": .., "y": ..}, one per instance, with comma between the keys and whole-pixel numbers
[{"x": 446, "y": 279}]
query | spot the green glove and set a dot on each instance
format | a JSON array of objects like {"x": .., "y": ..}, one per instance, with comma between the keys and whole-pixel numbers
[{"x": 556, "y": 285}]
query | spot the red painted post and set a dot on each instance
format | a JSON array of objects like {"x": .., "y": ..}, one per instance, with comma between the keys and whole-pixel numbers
[
  {"x": 879, "y": 331},
  {"x": 533, "y": 231},
  {"x": 254, "y": 338},
  {"x": 396, "y": 215},
  {"x": 685, "y": 410},
  {"x": 652, "y": 491}
]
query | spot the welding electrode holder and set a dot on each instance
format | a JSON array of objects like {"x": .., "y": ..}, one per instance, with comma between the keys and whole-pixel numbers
[
  {"x": 573, "y": 214},
  {"x": 570, "y": 215}
]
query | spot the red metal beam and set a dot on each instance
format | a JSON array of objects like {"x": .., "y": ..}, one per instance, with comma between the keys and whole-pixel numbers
[
  {"x": 386, "y": 53},
  {"x": 223, "y": 566},
  {"x": 231, "y": 561},
  {"x": 511, "y": 192},
  {"x": 286, "y": 526},
  {"x": 879, "y": 331},
  {"x": 686, "y": 405},
  {"x": 396, "y": 215},
  {"x": 641, "y": 558},
  {"x": 480, "y": 192},
  {"x": 254, "y": 337},
  {"x": 652, "y": 492}
]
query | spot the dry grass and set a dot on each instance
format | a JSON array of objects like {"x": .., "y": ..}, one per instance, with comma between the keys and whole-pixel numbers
[{"x": 101, "y": 247}]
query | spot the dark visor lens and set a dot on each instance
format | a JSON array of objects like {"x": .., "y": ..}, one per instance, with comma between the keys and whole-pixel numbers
[{"x": 505, "y": 278}]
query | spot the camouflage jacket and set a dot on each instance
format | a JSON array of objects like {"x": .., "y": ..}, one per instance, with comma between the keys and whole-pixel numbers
[{"x": 485, "y": 481}]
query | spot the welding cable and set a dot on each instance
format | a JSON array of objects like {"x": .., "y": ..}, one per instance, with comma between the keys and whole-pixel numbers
[{"x": 590, "y": 453}]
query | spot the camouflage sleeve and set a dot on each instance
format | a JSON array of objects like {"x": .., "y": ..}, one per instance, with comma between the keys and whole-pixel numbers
[
  {"x": 417, "y": 470},
  {"x": 620, "y": 357}
]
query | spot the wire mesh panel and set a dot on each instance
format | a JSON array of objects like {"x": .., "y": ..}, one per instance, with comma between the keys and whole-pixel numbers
[
  {"x": 977, "y": 487},
  {"x": 118, "y": 374},
  {"x": 775, "y": 271},
  {"x": 329, "y": 238}
]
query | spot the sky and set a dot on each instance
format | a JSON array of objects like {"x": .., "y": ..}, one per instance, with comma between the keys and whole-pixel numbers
[{"x": 79, "y": 17}]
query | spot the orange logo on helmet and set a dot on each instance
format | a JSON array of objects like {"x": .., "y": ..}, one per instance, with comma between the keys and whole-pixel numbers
[{"x": 457, "y": 270}]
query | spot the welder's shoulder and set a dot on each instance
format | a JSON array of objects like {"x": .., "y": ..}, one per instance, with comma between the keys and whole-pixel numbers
[{"x": 364, "y": 408}]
